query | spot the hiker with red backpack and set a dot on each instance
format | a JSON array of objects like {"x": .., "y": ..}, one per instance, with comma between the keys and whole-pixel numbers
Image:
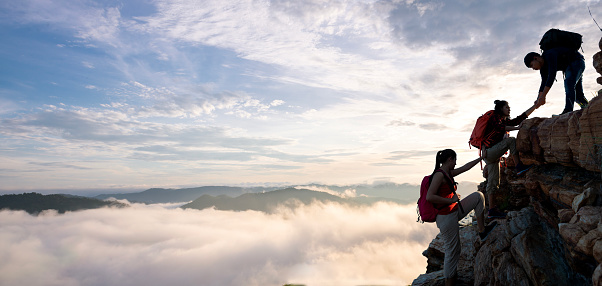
[
  {"x": 449, "y": 209},
  {"x": 495, "y": 142},
  {"x": 560, "y": 53}
]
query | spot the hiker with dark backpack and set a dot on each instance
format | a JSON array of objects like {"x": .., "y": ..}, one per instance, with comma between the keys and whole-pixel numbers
[
  {"x": 560, "y": 53},
  {"x": 442, "y": 194},
  {"x": 495, "y": 144}
]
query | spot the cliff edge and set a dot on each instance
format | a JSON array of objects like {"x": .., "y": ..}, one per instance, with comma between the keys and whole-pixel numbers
[{"x": 553, "y": 232}]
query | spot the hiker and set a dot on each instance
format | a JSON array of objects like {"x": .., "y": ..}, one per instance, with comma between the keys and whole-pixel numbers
[
  {"x": 498, "y": 126},
  {"x": 572, "y": 65},
  {"x": 441, "y": 193}
]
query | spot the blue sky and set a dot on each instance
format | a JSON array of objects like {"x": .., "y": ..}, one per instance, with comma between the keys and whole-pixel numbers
[{"x": 138, "y": 94}]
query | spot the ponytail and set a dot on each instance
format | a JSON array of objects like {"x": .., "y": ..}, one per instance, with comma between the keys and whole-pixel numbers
[{"x": 442, "y": 156}]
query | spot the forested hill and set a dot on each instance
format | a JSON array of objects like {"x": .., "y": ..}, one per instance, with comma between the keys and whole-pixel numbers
[
  {"x": 160, "y": 195},
  {"x": 35, "y": 203},
  {"x": 269, "y": 201}
]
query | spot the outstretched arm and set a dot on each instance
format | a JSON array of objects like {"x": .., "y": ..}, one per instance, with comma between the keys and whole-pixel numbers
[
  {"x": 467, "y": 166},
  {"x": 532, "y": 108},
  {"x": 541, "y": 99},
  {"x": 514, "y": 123}
]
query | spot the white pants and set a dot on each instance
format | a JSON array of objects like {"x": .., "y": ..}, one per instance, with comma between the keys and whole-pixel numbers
[{"x": 450, "y": 230}]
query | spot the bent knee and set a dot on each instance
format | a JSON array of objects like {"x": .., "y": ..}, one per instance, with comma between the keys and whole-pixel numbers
[{"x": 480, "y": 196}]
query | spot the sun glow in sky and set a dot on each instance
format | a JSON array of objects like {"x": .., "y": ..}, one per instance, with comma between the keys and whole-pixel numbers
[{"x": 137, "y": 94}]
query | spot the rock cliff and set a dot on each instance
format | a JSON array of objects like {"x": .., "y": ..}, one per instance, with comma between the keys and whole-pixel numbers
[{"x": 553, "y": 232}]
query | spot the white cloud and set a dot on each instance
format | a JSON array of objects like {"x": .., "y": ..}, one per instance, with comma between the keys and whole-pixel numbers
[
  {"x": 88, "y": 65},
  {"x": 148, "y": 245},
  {"x": 367, "y": 78},
  {"x": 348, "y": 193},
  {"x": 298, "y": 36},
  {"x": 277, "y": 102}
]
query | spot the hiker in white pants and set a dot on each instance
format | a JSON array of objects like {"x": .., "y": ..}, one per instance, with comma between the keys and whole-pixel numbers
[{"x": 442, "y": 193}]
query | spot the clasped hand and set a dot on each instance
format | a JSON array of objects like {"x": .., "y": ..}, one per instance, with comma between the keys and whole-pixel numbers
[{"x": 541, "y": 100}]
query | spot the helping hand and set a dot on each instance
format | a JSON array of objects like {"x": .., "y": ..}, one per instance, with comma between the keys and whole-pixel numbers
[{"x": 541, "y": 100}]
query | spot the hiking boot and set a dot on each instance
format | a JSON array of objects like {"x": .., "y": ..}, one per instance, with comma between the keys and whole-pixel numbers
[
  {"x": 483, "y": 235},
  {"x": 493, "y": 213},
  {"x": 522, "y": 168},
  {"x": 582, "y": 105}
]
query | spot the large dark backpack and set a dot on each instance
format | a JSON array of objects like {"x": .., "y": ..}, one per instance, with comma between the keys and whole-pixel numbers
[{"x": 555, "y": 38}]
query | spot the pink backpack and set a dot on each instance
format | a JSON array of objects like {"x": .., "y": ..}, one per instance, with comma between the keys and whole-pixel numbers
[{"x": 426, "y": 210}]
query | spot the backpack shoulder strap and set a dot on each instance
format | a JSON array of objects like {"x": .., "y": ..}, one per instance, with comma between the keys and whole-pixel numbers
[{"x": 450, "y": 181}]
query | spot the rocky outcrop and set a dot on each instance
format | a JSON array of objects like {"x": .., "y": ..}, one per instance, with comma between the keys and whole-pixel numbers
[
  {"x": 435, "y": 254},
  {"x": 553, "y": 232},
  {"x": 572, "y": 139}
]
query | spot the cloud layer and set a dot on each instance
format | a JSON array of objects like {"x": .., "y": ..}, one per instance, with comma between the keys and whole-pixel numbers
[{"x": 150, "y": 245}]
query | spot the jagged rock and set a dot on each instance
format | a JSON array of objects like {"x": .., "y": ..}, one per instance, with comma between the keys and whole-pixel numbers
[
  {"x": 435, "y": 254},
  {"x": 527, "y": 141},
  {"x": 430, "y": 279},
  {"x": 587, "y": 217},
  {"x": 507, "y": 272},
  {"x": 597, "y": 277},
  {"x": 554, "y": 140},
  {"x": 543, "y": 178},
  {"x": 597, "y": 251},
  {"x": 574, "y": 138},
  {"x": 574, "y": 134},
  {"x": 541, "y": 254},
  {"x": 571, "y": 232},
  {"x": 597, "y": 60},
  {"x": 565, "y": 215},
  {"x": 494, "y": 246},
  {"x": 546, "y": 212},
  {"x": 517, "y": 222},
  {"x": 563, "y": 195},
  {"x": 588, "y": 197},
  {"x": 586, "y": 243},
  {"x": 590, "y": 144},
  {"x": 524, "y": 250}
]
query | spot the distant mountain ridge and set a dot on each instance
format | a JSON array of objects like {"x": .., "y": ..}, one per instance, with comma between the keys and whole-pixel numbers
[
  {"x": 160, "y": 195},
  {"x": 35, "y": 203},
  {"x": 402, "y": 193},
  {"x": 269, "y": 201}
]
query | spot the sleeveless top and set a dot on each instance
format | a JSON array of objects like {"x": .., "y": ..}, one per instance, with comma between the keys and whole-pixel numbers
[{"x": 446, "y": 192}]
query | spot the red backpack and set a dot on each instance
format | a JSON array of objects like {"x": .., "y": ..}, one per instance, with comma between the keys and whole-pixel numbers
[
  {"x": 427, "y": 212},
  {"x": 479, "y": 137}
]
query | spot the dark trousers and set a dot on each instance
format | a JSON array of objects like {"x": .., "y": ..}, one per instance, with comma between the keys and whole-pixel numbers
[{"x": 573, "y": 84}]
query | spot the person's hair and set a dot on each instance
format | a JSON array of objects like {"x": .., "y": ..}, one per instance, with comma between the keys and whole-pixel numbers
[
  {"x": 499, "y": 104},
  {"x": 530, "y": 57},
  {"x": 442, "y": 156}
]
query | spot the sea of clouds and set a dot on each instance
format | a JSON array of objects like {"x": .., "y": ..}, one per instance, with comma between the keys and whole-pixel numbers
[{"x": 318, "y": 244}]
